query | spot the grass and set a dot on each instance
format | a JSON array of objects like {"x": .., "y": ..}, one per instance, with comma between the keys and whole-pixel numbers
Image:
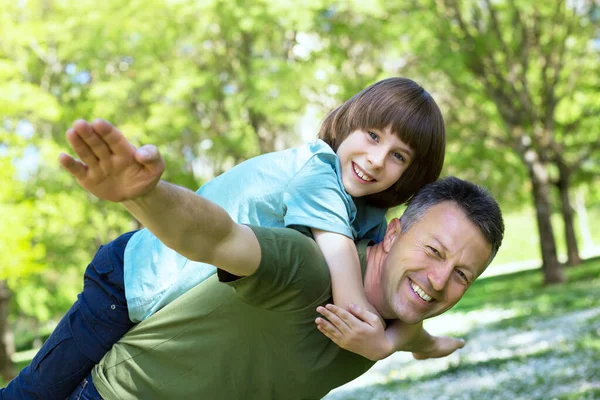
[
  {"x": 521, "y": 240},
  {"x": 524, "y": 341}
]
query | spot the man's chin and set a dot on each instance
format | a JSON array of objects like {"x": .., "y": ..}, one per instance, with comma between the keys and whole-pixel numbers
[{"x": 411, "y": 319}]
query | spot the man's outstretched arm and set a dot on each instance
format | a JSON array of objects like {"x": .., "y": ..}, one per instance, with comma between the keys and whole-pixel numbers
[{"x": 112, "y": 169}]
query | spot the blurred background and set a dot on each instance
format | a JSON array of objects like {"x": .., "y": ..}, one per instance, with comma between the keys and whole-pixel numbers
[{"x": 212, "y": 83}]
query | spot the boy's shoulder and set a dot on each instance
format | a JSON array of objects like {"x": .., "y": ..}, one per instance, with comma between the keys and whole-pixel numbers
[{"x": 303, "y": 152}]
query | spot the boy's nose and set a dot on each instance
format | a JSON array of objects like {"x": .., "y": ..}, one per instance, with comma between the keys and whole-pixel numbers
[{"x": 376, "y": 158}]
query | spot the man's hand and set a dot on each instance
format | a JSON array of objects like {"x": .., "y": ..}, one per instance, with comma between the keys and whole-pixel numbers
[
  {"x": 110, "y": 167},
  {"x": 358, "y": 331}
]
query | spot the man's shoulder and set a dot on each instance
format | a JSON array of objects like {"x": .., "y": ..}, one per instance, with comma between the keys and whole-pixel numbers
[
  {"x": 292, "y": 273},
  {"x": 291, "y": 247}
]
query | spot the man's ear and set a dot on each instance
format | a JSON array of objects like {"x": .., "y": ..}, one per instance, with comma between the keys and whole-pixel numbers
[{"x": 393, "y": 230}]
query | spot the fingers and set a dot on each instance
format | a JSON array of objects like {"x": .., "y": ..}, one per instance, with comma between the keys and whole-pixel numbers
[
  {"x": 79, "y": 145},
  {"x": 150, "y": 157},
  {"x": 337, "y": 316},
  {"x": 92, "y": 139},
  {"x": 73, "y": 166},
  {"x": 329, "y": 330},
  {"x": 112, "y": 137},
  {"x": 364, "y": 315},
  {"x": 327, "y": 327}
]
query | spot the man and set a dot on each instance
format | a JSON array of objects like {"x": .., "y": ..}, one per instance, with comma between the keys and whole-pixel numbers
[{"x": 254, "y": 337}]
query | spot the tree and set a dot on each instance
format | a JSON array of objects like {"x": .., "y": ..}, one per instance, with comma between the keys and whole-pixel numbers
[
  {"x": 20, "y": 256},
  {"x": 577, "y": 148},
  {"x": 186, "y": 77},
  {"x": 520, "y": 57}
]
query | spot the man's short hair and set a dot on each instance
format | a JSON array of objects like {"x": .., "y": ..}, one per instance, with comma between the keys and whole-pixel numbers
[{"x": 476, "y": 203}]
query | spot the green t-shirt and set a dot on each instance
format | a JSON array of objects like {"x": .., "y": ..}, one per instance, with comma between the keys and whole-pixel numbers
[{"x": 252, "y": 338}]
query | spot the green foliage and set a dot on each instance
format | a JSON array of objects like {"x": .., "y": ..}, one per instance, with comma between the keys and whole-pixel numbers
[
  {"x": 511, "y": 75},
  {"x": 19, "y": 254},
  {"x": 212, "y": 83}
]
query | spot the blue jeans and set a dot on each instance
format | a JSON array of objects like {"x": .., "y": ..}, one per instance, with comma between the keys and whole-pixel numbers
[
  {"x": 96, "y": 321},
  {"x": 85, "y": 391}
]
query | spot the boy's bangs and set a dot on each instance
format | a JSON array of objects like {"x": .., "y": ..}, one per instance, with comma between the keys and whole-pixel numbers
[{"x": 415, "y": 123}]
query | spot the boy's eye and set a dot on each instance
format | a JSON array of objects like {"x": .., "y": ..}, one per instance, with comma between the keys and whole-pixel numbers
[
  {"x": 399, "y": 156},
  {"x": 373, "y": 136}
]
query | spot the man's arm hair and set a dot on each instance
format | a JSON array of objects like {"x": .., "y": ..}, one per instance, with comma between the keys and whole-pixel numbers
[{"x": 197, "y": 228}]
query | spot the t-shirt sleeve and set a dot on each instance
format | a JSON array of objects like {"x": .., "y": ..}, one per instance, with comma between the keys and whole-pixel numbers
[
  {"x": 376, "y": 233},
  {"x": 292, "y": 274},
  {"x": 316, "y": 198}
]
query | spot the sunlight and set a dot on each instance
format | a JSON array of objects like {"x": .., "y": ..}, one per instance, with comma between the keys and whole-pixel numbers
[{"x": 460, "y": 324}]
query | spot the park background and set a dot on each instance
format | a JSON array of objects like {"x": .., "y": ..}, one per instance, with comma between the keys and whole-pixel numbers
[{"x": 212, "y": 83}]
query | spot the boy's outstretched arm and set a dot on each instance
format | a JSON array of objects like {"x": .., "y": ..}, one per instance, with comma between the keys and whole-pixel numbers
[
  {"x": 112, "y": 169},
  {"x": 354, "y": 331}
]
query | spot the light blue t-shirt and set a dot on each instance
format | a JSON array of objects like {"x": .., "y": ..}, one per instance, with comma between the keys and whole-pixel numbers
[{"x": 300, "y": 186}]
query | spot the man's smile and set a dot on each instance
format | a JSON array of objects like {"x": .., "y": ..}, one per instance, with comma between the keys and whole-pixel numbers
[{"x": 420, "y": 292}]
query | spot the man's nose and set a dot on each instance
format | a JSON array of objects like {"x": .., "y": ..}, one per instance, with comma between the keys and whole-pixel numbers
[{"x": 439, "y": 276}]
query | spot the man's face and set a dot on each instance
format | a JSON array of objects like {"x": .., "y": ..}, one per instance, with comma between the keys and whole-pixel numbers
[{"x": 429, "y": 267}]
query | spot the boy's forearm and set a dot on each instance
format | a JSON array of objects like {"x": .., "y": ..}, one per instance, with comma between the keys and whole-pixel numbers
[
  {"x": 346, "y": 283},
  {"x": 415, "y": 339},
  {"x": 412, "y": 338},
  {"x": 182, "y": 220},
  {"x": 344, "y": 268},
  {"x": 422, "y": 341}
]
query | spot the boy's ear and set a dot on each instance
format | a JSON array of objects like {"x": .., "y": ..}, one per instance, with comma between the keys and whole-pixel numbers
[{"x": 393, "y": 230}]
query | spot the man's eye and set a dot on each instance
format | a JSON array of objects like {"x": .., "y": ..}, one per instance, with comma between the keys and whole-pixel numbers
[
  {"x": 373, "y": 136},
  {"x": 435, "y": 251},
  {"x": 463, "y": 276}
]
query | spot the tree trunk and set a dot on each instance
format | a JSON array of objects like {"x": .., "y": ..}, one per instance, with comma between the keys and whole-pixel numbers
[
  {"x": 584, "y": 225},
  {"x": 567, "y": 214},
  {"x": 552, "y": 269},
  {"x": 6, "y": 367}
]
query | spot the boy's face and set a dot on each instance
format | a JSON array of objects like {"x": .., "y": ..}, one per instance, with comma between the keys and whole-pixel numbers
[{"x": 372, "y": 160}]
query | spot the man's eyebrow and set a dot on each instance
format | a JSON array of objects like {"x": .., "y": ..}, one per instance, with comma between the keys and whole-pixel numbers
[
  {"x": 439, "y": 241},
  {"x": 469, "y": 268}
]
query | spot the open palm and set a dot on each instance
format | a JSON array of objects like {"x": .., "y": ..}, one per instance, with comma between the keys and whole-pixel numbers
[{"x": 109, "y": 166}]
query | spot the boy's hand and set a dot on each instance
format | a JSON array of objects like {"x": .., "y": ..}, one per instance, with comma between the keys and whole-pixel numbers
[
  {"x": 110, "y": 167},
  {"x": 358, "y": 331},
  {"x": 415, "y": 339},
  {"x": 443, "y": 346}
]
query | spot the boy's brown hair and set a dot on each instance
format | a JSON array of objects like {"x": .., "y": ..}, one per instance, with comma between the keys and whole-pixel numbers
[{"x": 412, "y": 114}]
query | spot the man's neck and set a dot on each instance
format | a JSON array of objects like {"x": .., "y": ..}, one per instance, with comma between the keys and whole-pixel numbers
[{"x": 375, "y": 258}]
